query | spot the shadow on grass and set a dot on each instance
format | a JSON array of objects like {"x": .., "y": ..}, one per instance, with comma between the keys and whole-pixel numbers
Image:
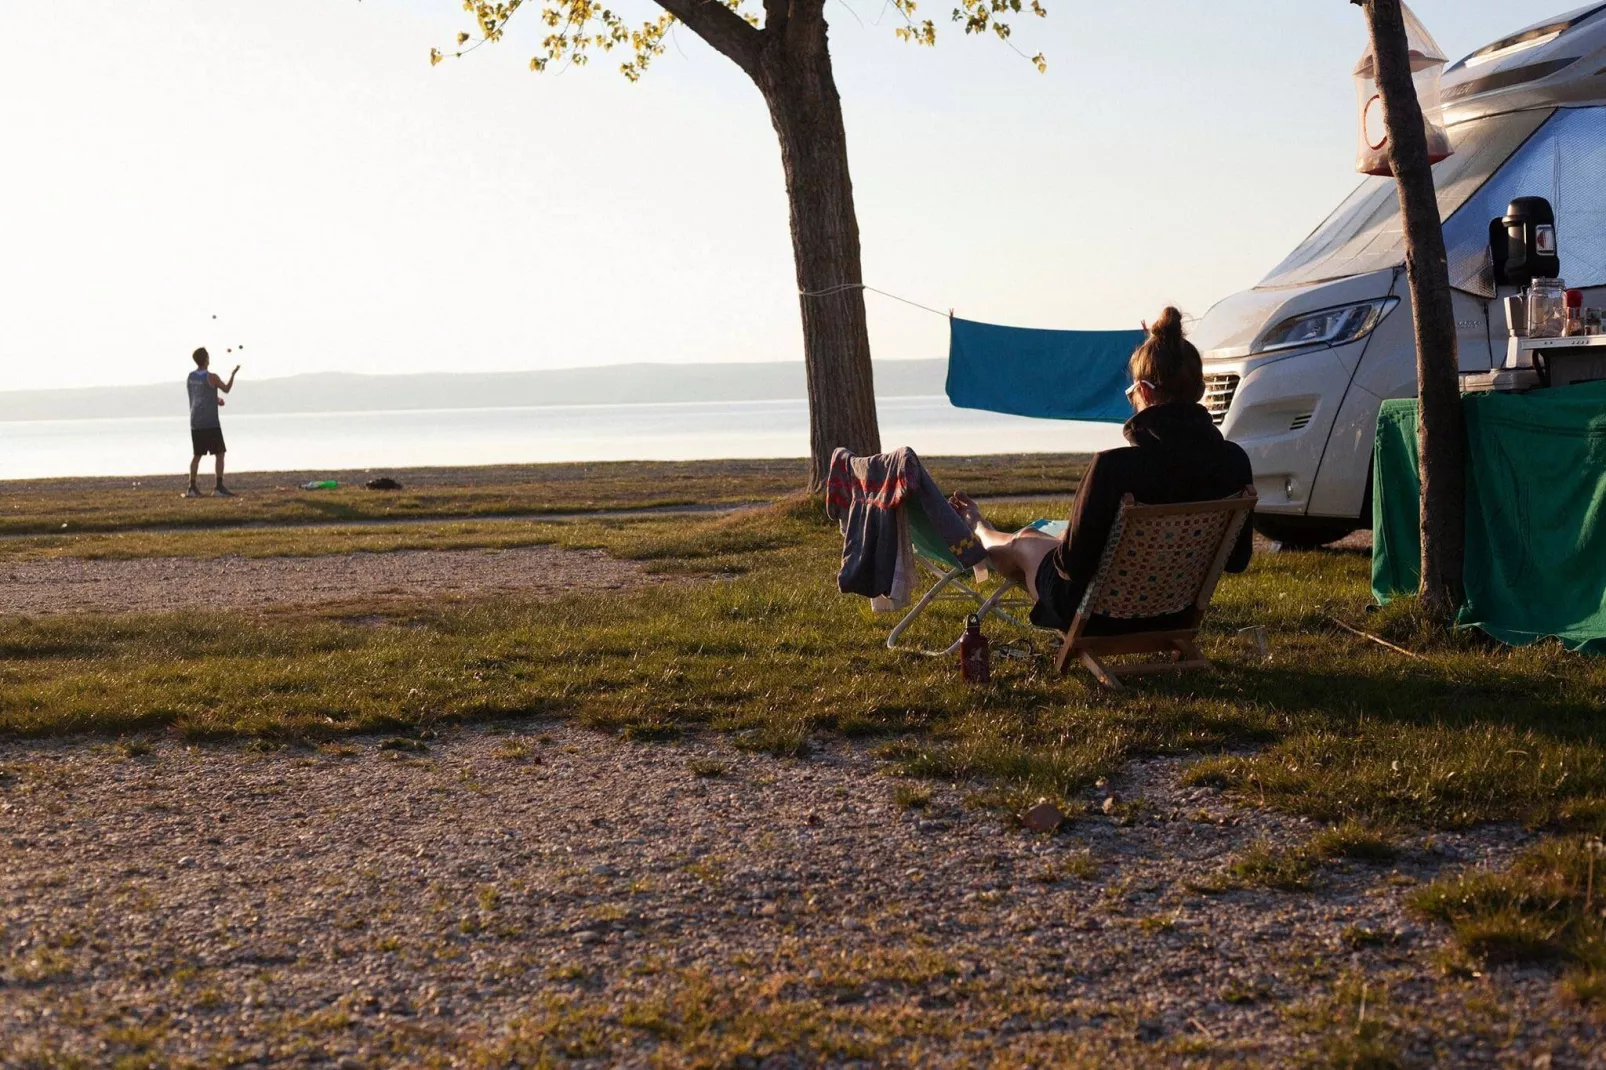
[
  {"x": 1423, "y": 697},
  {"x": 1337, "y": 726},
  {"x": 329, "y": 509}
]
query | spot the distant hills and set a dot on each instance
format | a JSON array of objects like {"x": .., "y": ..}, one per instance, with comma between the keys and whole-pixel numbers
[{"x": 342, "y": 392}]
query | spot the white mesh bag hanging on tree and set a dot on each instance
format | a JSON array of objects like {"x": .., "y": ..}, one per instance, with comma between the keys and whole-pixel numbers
[{"x": 1427, "y": 68}]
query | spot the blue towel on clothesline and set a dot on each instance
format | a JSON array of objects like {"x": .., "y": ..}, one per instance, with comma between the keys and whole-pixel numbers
[{"x": 1053, "y": 375}]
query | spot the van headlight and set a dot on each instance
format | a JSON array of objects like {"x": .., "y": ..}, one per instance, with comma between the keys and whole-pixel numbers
[{"x": 1329, "y": 327}]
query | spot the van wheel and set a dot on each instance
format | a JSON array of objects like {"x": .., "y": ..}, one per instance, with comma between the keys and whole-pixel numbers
[{"x": 1303, "y": 532}]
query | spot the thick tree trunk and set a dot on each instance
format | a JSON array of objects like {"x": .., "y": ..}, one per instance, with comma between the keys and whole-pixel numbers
[
  {"x": 794, "y": 75},
  {"x": 791, "y": 64},
  {"x": 1441, "y": 440}
]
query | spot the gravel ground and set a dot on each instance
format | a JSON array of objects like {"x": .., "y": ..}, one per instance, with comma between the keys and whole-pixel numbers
[
  {"x": 364, "y": 905},
  {"x": 67, "y": 585},
  {"x": 155, "y": 584}
]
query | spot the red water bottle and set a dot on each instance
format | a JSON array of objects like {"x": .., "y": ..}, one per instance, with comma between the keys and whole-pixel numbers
[{"x": 974, "y": 662}]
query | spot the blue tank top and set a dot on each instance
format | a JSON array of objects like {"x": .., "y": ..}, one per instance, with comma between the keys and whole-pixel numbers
[{"x": 203, "y": 400}]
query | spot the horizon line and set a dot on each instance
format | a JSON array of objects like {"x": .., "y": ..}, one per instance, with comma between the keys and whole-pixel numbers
[{"x": 419, "y": 375}]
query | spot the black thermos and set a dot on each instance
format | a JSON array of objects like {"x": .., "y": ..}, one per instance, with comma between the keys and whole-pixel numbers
[{"x": 1530, "y": 226}]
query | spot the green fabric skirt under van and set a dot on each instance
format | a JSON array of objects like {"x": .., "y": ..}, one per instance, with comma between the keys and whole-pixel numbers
[{"x": 1536, "y": 513}]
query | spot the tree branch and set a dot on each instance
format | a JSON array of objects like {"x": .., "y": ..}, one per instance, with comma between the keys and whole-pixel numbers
[
  {"x": 807, "y": 25},
  {"x": 776, "y": 14},
  {"x": 721, "y": 27}
]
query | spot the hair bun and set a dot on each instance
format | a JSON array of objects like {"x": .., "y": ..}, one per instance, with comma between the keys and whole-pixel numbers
[
  {"x": 1168, "y": 361},
  {"x": 1168, "y": 327}
]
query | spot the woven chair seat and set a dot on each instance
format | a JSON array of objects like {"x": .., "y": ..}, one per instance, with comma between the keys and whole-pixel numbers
[
  {"x": 1158, "y": 564},
  {"x": 1159, "y": 561}
]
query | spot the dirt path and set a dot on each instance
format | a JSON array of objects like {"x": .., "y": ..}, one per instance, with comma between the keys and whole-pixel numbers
[
  {"x": 647, "y": 511},
  {"x": 67, "y": 585},
  {"x": 507, "y": 899}
]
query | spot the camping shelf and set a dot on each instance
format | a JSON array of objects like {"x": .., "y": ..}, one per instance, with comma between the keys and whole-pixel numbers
[
  {"x": 1519, "y": 351},
  {"x": 1532, "y": 363}
]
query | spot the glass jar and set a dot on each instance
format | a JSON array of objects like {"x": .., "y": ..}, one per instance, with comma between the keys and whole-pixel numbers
[{"x": 1547, "y": 308}]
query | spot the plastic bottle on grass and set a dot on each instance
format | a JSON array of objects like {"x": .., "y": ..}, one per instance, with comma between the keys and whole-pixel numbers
[{"x": 320, "y": 484}]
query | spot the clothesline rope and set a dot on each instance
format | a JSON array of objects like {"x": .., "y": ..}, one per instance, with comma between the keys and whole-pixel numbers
[{"x": 830, "y": 291}]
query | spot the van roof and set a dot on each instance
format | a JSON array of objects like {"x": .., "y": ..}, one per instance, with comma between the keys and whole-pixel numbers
[{"x": 1556, "y": 61}]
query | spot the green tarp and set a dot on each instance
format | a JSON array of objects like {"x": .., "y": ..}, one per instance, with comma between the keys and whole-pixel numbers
[
  {"x": 1536, "y": 513},
  {"x": 1396, "y": 498}
]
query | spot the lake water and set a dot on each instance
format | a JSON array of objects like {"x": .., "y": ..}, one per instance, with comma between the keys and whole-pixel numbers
[{"x": 416, "y": 438}]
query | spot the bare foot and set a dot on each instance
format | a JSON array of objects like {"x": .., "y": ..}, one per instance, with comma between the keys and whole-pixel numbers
[{"x": 966, "y": 507}]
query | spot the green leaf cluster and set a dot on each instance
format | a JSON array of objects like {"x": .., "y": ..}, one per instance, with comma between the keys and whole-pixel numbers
[{"x": 577, "y": 28}]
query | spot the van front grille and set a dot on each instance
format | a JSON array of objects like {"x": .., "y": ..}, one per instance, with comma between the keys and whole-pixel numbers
[{"x": 1219, "y": 390}]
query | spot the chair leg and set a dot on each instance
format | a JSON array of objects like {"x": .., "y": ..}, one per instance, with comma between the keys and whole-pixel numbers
[
  {"x": 1189, "y": 656},
  {"x": 920, "y": 607},
  {"x": 990, "y": 605},
  {"x": 1062, "y": 660},
  {"x": 1101, "y": 672}
]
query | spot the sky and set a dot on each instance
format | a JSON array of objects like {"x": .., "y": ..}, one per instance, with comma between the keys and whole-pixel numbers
[{"x": 292, "y": 176}]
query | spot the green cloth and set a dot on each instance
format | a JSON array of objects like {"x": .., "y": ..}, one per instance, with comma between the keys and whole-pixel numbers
[
  {"x": 1536, "y": 513},
  {"x": 1396, "y": 502}
]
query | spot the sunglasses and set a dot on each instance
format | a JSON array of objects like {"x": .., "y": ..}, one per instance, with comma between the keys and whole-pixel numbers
[{"x": 1133, "y": 389}]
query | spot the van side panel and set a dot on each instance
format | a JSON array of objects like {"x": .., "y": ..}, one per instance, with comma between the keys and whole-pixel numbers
[
  {"x": 1387, "y": 370},
  {"x": 1340, "y": 488},
  {"x": 1281, "y": 415}
]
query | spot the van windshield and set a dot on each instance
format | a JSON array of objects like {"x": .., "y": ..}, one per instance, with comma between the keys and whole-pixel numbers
[{"x": 1364, "y": 234}]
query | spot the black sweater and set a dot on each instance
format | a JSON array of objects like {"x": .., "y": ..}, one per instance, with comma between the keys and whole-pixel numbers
[{"x": 1176, "y": 455}]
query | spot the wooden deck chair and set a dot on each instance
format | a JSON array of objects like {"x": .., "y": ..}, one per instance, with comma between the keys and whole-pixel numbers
[
  {"x": 1160, "y": 561},
  {"x": 954, "y": 581}
]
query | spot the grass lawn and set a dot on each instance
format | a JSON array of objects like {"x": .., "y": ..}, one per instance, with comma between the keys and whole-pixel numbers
[
  {"x": 51, "y": 506},
  {"x": 747, "y": 636}
]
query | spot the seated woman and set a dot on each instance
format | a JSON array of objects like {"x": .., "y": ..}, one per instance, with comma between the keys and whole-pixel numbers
[{"x": 1176, "y": 455}]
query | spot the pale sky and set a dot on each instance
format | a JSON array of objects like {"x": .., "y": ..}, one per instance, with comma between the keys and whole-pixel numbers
[{"x": 296, "y": 169}]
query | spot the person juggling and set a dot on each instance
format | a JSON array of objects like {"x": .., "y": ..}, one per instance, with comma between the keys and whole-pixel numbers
[{"x": 206, "y": 429}]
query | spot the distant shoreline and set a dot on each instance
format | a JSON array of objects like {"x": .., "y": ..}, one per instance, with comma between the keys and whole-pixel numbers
[
  {"x": 182, "y": 414},
  {"x": 381, "y": 441},
  {"x": 342, "y": 392},
  {"x": 110, "y": 507},
  {"x": 419, "y": 477}
]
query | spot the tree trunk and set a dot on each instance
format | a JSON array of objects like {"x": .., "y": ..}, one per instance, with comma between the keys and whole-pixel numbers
[
  {"x": 1440, "y": 437},
  {"x": 794, "y": 75}
]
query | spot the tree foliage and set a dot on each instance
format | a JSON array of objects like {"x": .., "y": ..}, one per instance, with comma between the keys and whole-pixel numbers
[
  {"x": 579, "y": 28},
  {"x": 787, "y": 55}
]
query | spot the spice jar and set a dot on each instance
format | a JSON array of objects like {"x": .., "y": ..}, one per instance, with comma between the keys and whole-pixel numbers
[
  {"x": 1575, "y": 313},
  {"x": 1547, "y": 308}
]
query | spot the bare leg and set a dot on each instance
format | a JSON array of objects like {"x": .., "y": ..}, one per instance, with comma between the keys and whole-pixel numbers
[
  {"x": 221, "y": 489},
  {"x": 1018, "y": 555},
  {"x": 195, "y": 466}
]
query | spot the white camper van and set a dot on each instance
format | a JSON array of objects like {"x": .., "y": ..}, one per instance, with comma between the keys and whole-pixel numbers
[{"x": 1296, "y": 368}]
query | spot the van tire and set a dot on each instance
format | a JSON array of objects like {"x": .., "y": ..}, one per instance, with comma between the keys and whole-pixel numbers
[{"x": 1303, "y": 532}]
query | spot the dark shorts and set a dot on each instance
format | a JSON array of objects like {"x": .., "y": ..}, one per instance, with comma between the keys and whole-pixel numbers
[
  {"x": 207, "y": 440},
  {"x": 1044, "y": 613}
]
